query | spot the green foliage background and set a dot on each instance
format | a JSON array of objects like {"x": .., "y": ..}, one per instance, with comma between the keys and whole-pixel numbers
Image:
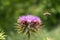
[{"x": 10, "y": 10}]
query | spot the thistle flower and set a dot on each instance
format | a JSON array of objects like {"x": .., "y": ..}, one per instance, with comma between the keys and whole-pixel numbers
[{"x": 28, "y": 23}]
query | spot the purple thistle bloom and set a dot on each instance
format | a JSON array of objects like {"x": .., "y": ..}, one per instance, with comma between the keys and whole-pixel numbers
[
  {"x": 29, "y": 19},
  {"x": 28, "y": 23}
]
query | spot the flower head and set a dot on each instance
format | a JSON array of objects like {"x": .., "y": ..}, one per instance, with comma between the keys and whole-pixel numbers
[
  {"x": 29, "y": 19},
  {"x": 28, "y": 22}
]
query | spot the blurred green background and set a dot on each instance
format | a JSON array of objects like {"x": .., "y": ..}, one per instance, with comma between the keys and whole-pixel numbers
[{"x": 47, "y": 10}]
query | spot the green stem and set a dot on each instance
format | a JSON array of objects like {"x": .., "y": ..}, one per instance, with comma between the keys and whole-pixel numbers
[{"x": 29, "y": 35}]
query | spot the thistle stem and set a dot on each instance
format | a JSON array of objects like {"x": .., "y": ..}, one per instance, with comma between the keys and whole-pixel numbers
[{"x": 29, "y": 35}]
